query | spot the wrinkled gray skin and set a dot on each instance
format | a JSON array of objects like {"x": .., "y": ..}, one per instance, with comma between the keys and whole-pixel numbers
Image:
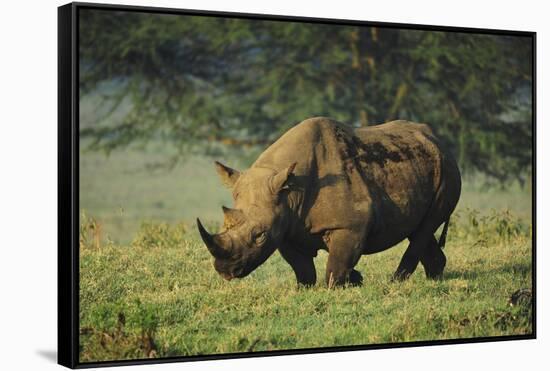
[{"x": 352, "y": 192}]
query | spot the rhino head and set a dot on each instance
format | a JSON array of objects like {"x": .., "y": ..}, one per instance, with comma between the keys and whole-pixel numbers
[{"x": 253, "y": 229}]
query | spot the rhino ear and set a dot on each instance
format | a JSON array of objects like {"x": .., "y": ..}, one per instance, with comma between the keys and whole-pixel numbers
[
  {"x": 228, "y": 176},
  {"x": 280, "y": 180}
]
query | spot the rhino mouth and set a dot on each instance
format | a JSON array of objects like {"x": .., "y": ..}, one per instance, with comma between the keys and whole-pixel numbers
[{"x": 232, "y": 259}]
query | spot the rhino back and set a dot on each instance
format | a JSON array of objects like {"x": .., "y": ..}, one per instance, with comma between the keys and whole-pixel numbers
[{"x": 401, "y": 159}]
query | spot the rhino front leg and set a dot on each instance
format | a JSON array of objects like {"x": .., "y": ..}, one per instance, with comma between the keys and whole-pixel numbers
[
  {"x": 302, "y": 264},
  {"x": 344, "y": 251}
]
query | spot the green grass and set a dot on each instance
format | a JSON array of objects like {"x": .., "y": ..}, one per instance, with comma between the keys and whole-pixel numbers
[
  {"x": 148, "y": 288},
  {"x": 173, "y": 302}
]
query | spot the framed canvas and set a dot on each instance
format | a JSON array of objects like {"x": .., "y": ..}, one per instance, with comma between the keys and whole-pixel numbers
[{"x": 241, "y": 185}]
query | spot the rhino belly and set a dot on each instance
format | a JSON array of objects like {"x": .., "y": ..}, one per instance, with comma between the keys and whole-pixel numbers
[
  {"x": 384, "y": 240},
  {"x": 397, "y": 217}
]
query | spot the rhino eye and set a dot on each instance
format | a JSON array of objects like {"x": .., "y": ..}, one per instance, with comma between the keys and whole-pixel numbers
[{"x": 260, "y": 238}]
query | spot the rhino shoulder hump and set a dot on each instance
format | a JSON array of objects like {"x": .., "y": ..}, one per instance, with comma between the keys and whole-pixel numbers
[
  {"x": 425, "y": 128},
  {"x": 408, "y": 126},
  {"x": 315, "y": 128},
  {"x": 319, "y": 123}
]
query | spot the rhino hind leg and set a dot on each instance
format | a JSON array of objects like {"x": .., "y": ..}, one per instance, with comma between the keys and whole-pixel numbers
[
  {"x": 423, "y": 248},
  {"x": 420, "y": 249},
  {"x": 408, "y": 262},
  {"x": 433, "y": 260}
]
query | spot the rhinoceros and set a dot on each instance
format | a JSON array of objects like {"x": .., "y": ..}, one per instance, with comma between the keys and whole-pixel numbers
[{"x": 352, "y": 192}]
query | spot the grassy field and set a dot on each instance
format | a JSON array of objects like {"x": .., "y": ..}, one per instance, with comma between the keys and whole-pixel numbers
[{"x": 148, "y": 288}]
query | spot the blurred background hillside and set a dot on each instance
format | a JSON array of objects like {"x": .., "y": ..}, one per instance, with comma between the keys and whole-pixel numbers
[{"x": 162, "y": 96}]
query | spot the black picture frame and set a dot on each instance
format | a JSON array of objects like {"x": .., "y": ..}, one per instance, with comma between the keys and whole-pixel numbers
[{"x": 68, "y": 183}]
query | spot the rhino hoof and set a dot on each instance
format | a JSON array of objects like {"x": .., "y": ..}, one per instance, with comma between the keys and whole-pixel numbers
[
  {"x": 355, "y": 278},
  {"x": 400, "y": 276}
]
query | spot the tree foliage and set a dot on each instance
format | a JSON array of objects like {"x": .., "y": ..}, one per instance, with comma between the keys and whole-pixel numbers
[{"x": 193, "y": 81}]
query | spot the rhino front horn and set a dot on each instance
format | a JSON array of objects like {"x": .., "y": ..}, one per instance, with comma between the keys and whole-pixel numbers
[{"x": 210, "y": 241}]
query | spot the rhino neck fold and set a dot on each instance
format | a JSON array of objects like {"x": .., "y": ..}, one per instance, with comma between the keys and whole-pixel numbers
[{"x": 295, "y": 201}]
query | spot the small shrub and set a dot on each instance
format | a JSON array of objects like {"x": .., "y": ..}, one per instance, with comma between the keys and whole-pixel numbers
[
  {"x": 160, "y": 235},
  {"x": 497, "y": 226},
  {"x": 90, "y": 232}
]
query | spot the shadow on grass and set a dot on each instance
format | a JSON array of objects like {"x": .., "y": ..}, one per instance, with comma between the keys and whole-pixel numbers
[{"x": 523, "y": 269}]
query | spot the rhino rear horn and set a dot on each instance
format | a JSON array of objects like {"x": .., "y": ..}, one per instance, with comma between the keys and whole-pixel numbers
[
  {"x": 232, "y": 216},
  {"x": 212, "y": 243}
]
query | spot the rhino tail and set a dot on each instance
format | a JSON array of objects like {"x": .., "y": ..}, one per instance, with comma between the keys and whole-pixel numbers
[{"x": 443, "y": 237}]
